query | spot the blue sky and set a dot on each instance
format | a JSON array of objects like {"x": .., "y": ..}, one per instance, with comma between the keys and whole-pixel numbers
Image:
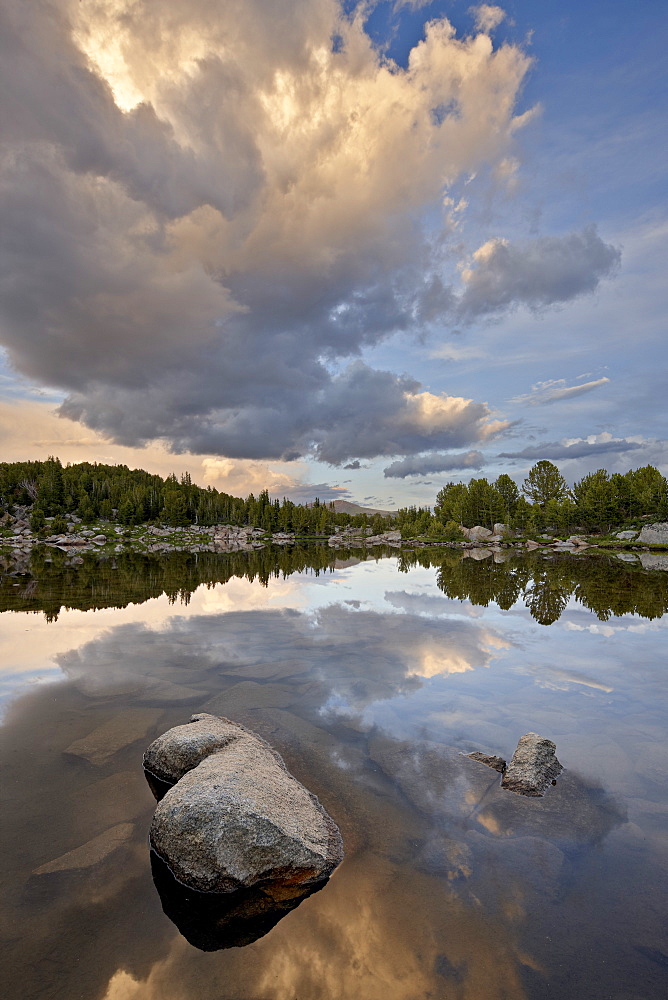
[{"x": 433, "y": 249}]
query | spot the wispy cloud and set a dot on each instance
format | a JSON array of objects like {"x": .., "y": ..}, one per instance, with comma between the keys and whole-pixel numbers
[
  {"x": 457, "y": 352},
  {"x": 554, "y": 390},
  {"x": 595, "y": 444}
]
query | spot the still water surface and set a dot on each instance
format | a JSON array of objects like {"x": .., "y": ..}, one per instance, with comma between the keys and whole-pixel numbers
[{"x": 369, "y": 676}]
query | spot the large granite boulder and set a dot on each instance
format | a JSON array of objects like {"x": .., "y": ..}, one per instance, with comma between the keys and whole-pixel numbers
[
  {"x": 654, "y": 534},
  {"x": 234, "y": 817},
  {"x": 503, "y": 530},
  {"x": 479, "y": 534},
  {"x": 182, "y": 748}
]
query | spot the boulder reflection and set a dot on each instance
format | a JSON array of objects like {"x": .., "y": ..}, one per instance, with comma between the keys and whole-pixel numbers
[{"x": 212, "y": 921}]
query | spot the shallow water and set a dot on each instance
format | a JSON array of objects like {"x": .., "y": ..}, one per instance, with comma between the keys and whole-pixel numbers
[{"x": 369, "y": 676}]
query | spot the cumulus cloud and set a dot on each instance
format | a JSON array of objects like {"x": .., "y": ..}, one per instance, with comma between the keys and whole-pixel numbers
[
  {"x": 595, "y": 444},
  {"x": 360, "y": 412},
  {"x": 242, "y": 477},
  {"x": 423, "y": 465},
  {"x": 538, "y": 273},
  {"x": 554, "y": 390},
  {"x": 208, "y": 207},
  {"x": 487, "y": 16}
]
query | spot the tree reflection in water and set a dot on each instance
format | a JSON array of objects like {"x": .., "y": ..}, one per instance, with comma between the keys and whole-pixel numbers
[
  {"x": 602, "y": 584},
  {"x": 49, "y": 581}
]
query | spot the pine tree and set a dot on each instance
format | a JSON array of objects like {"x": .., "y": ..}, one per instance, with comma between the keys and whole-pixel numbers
[
  {"x": 176, "y": 509},
  {"x": 544, "y": 483},
  {"x": 510, "y": 495}
]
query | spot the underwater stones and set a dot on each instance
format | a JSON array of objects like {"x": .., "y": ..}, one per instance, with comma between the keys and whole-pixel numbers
[
  {"x": 90, "y": 854},
  {"x": 247, "y": 696},
  {"x": 498, "y": 763},
  {"x": 235, "y": 817},
  {"x": 533, "y": 767},
  {"x": 115, "y": 734}
]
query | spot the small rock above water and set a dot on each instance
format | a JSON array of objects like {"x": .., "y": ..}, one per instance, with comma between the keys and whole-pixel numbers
[
  {"x": 235, "y": 817},
  {"x": 533, "y": 767}
]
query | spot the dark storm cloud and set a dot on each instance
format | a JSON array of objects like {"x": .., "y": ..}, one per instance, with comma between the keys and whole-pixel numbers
[
  {"x": 423, "y": 465},
  {"x": 204, "y": 208},
  {"x": 361, "y": 412}
]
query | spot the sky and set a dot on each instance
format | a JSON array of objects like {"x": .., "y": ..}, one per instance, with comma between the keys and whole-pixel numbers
[{"x": 352, "y": 250}]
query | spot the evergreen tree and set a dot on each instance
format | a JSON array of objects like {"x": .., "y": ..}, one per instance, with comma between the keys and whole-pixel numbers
[
  {"x": 176, "y": 509},
  {"x": 58, "y": 525},
  {"x": 510, "y": 495},
  {"x": 85, "y": 510},
  {"x": 544, "y": 483},
  {"x": 37, "y": 520}
]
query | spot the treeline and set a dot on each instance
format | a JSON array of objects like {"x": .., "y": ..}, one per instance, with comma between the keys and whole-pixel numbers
[
  {"x": 132, "y": 496},
  {"x": 597, "y": 502}
]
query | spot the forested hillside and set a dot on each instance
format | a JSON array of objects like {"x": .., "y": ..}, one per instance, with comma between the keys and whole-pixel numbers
[
  {"x": 545, "y": 501},
  {"x": 131, "y": 496}
]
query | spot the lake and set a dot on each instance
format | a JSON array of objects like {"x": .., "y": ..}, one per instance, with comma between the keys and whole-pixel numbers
[{"x": 372, "y": 675}]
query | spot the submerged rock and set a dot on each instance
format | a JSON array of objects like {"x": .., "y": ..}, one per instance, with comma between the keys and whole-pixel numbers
[
  {"x": 121, "y": 731},
  {"x": 91, "y": 853},
  {"x": 533, "y": 767},
  {"x": 498, "y": 763},
  {"x": 234, "y": 817}
]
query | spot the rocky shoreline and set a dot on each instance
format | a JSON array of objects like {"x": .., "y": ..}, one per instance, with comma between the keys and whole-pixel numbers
[{"x": 16, "y": 536}]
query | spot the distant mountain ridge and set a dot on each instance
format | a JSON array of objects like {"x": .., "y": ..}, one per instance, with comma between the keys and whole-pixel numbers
[{"x": 347, "y": 507}]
